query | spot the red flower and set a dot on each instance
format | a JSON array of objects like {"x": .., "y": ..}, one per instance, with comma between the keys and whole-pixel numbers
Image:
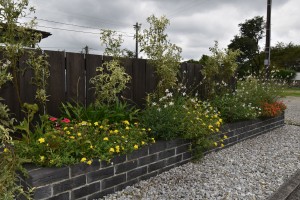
[
  {"x": 272, "y": 109},
  {"x": 65, "y": 120},
  {"x": 53, "y": 119}
]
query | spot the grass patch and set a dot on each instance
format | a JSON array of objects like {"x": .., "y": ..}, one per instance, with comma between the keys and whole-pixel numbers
[{"x": 292, "y": 91}]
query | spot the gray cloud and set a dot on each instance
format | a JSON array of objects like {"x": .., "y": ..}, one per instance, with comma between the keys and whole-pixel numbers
[{"x": 195, "y": 24}]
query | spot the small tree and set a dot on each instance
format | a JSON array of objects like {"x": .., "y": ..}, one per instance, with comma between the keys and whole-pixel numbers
[
  {"x": 219, "y": 69},
  {"x": 164, "y": 55},
  {"x": 112, "y": 78}
]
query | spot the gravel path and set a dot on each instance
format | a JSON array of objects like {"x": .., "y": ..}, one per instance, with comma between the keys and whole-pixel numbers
[{"x": 253, "y": 169}]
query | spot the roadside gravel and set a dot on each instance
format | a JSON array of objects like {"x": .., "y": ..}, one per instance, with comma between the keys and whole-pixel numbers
[{"x": 252, "y": 169}]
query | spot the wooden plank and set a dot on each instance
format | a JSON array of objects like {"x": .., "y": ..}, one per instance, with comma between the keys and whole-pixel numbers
[
  {"x": 198, "y": 78},
  {"x": 56, "y": 87},
  {"x": 190, "y": 76},
  {"x": 128, "y": 93},
  {"x": 75, "y": 78},
  {"x": 182, "y": 77},
  {"x": 92, "y": 62},
  {"x": 139, "y": 79},
  {"x": 151, "y": 78}
]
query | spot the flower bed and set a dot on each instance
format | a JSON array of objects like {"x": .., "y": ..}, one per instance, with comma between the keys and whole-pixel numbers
[{"x": 82, "y": 181}]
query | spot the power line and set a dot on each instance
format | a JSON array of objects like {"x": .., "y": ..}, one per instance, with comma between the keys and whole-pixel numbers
[{"x": 76, "y": 25}]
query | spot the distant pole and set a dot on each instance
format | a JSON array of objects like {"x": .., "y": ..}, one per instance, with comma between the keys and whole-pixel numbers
[
  {"x": 137, "y": 27},
  {"x": 86, "y": 49},
  {"x": 268, "y": 40}
]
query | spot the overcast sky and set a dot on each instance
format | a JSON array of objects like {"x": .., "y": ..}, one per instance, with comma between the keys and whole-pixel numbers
[{"x": 194, "y": 24}]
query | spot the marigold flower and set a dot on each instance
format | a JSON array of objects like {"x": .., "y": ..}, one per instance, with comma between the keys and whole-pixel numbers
[
  {"x": 96, "y": 124},
  {"x": 220, "y": 120},
  {"x": 143, "y": 142},
  {"x": 83, "y": 123},
  {"x": 41, "y": 140},
  {"x": 105, "y": 139},
  {"x": 143, "y": 129},
  {"x": 65, "y": 128},
  {"x": 217, "y": 130},
  {"x": 42, "y": 158},
  {"x": 68, "y": 132},
  {"x": 6, "y": 150},
  {"x": 117, "y": 148},
  {"x": 210, "y": 126},
  {"x": 127, "y": 128},
  {"x": 126, "y": 122},
  {"x": 222, "y": 145},
  {"x": 149, "y": 129},
  {"x": 91, "y": 147},
  {"x": 101, "y": 127},
  {"x": 83, "y": 159},
  {"x": 116, "y": 131},
  {"x": 225, "y": 137},
  {"x": 65, "y": 120},
  {"x": 72, "y": 137},
  {"x": 111, "y": 150},
  {"x": 216, "y": 144},
  {"x": 89, "y": 162},
  {"x": 136, "y": 147},
  {"x": 79, "y": 134},
  {"x": 153, "y": 140}
]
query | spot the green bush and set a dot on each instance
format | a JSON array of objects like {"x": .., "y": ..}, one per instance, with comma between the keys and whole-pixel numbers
[{"x": 284, "y": 74}]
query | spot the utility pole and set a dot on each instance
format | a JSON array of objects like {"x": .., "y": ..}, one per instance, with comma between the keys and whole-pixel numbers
[
  {"x": 137, "y": 27},
  {"x": 86, "y": 49},
  {"x": 268, "y": 40}
]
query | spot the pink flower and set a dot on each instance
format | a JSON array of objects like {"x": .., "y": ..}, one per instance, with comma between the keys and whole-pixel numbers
[
  {"x": 65, "y": 120},
  {"x": 53, "y": 119}
]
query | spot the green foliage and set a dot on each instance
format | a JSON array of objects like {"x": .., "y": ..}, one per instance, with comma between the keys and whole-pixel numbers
[
  {"x": 286, "y": 56},
  {"x": 164, "y": 55},
  {"x": 219, "y": 69},
  {"x": 286, "y": 75},
  {"x": 40, "y": 66},
  {"x": 68, "y": 142},
  {"x": 251, "y": 32},
  {"x": 232, "y": 109},
  {"x": 111, "y": 78},
  {"x": 113, "y": 113},
  {"x": 5, "y": 76}
]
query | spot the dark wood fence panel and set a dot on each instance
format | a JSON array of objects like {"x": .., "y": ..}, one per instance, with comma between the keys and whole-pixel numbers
[
  {"x": 128, "y": 92},
  {"x": 139, "y": 82},
  {"x": 92, "y": 62},
  {"x": 151, "y": 78},
  {"x": 56, "y": 82},
  {"x": 190, "y": 76},
  {"x": 75, "y": 77}
]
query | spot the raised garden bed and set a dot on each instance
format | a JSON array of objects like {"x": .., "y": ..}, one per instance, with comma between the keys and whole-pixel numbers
[{"x": 91, "y": 182}]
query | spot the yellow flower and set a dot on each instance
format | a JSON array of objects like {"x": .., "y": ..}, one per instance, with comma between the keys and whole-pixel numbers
[
  {"x": 136, "y": 147},
  {"x": 117, "y": 148},
  {"x": 149, "y": 129},
  {"x": 72, "y": 137},
  {"x": 210, "y": 126},
  {"x": 6, "y": 150},
  {"x": 79, "y": 134},
  {"x": 127, "y": 128},
  {"x": 105, "y": 139},
  {"x": 84, "y": 123},
  {"x": 116, "y": 131},
  {"x": 89, "y": 124},
  {"x": 143, "y": 143},
  {"x": 91, "y": 147},
  {"x": 89, "y": 162},
  {"x": 218, "y": 123},
  {"x": 110, "y": 131},
  {"x": 123, "y": 136},
  {"x": 217, "y": 130},
  {"x": 143, "y": 129},
  {"x": 42, "y": 158},
  {"x": 225, "y": 137},
  {"x": 126, "y": 122},
  {"x": 68, "y": 132},
  {"x": 96, "y": 124},
  {"x": 153, "y": 140},
  {"x": 215, "y": 116},
  {"x": 222, "y": 145},
  {"x": 41, "y": 140},
  {"x": 101, "y": 127},
  {"x": 220, "y": 120},
  {"x": 83, "y": 159},
  {"x": 135, "y": 123},
  {"x": 111, "y": 150},
  {"x": 216, "y": 144},
  {"x": 66, "y": 128}
]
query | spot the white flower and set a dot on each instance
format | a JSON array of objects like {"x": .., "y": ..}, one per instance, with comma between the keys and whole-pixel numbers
[
  {"x": 158, "y": 109},
  {"x": 154, "y": 103},
  {"x": 169, "y": 94},
  {"x": 165, "y": 105},
  {"x": 171, "y": 103},
  {"x": 183, "y": 94},
  {"x": 167, "y": 90}
]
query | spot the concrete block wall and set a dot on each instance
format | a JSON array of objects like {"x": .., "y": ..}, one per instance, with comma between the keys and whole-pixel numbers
[{"x": 101, "y": 178}]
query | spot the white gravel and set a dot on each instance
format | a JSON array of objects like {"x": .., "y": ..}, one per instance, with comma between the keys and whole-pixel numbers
[{"x": 252, "y": 169}]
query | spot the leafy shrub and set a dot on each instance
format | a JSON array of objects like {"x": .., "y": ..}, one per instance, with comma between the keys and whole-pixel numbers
[
  {"x": 232, "y": 109},
  {"x": 285, "y": 75}
]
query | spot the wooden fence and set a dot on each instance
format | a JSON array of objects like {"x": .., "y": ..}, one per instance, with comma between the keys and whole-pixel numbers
[{"x": 69, "y": 80}]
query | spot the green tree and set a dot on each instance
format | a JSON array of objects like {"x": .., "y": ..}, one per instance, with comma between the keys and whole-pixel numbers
[
  {"x": 251, "y": 32},
  {"x": 164, "y": 55},
  {"x": 285, "y": 56}
]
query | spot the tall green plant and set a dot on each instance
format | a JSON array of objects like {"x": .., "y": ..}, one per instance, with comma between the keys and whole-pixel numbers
[
  {"x": 111, "y": 78},
  {"x": 164, "y": 55},
  {"x": 219, "y": 69}
]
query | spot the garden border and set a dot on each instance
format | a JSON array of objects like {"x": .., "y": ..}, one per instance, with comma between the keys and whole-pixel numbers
[{"x": 85, "y": 182}]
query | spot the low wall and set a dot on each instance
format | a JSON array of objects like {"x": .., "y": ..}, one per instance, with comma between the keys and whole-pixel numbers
[{"x": 91, "y": 182}]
